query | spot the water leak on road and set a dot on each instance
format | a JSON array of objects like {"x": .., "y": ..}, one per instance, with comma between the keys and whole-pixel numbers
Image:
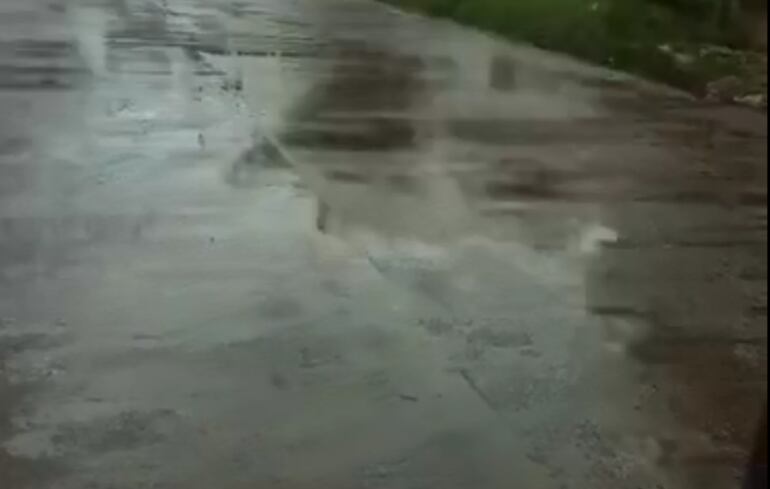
[{"x": 323, "y": 243}]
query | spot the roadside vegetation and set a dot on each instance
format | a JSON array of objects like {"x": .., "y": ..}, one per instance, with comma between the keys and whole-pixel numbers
[{"x": 709, "y": 47}]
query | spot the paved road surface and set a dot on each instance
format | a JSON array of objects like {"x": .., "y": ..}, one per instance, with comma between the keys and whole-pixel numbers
[{"x": 319, "y": 244}]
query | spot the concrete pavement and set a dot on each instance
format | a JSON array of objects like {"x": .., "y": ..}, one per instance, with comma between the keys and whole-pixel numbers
[{"x": 327, "y": 245}]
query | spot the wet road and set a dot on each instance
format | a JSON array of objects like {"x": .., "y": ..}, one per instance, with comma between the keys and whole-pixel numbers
[{"x": 320, "y": 244}]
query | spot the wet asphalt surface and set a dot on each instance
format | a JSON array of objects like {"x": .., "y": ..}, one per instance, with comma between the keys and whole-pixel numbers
[{"x": 325, "y": 245}]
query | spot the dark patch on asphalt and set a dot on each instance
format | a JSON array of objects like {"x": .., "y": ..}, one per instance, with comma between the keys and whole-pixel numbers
[
  {"x": 126, "y": 431},
  {"x": 13, "y": 146},
  {"x": 409, "y": 398},
  {"x": 17, "y": 344},
  {"x": 382, "y": 135},
  {"x": 23, "y": 473},
  {"x": 406, "y": 184},
  {"x": 42, "y": 49},
  {"x": 279, "y": 381},
  {"x": 281, "y": 308},
  {"x": 344, "y": 176},
  {"x": 18, "y": 472},
  {"x": 499, "y": 338},
  {"x": 438, "y": 326},
  {"x": 502, "y": 73}
]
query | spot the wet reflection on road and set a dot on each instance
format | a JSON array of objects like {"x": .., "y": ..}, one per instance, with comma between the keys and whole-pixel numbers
[{"x": 322, "y": 243}]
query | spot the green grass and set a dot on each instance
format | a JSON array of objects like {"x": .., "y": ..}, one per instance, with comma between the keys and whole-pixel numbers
[{"x": 623, "y": 34}]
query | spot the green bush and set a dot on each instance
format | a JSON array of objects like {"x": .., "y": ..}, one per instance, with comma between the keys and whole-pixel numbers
[{"x": 626, "y": 34}]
